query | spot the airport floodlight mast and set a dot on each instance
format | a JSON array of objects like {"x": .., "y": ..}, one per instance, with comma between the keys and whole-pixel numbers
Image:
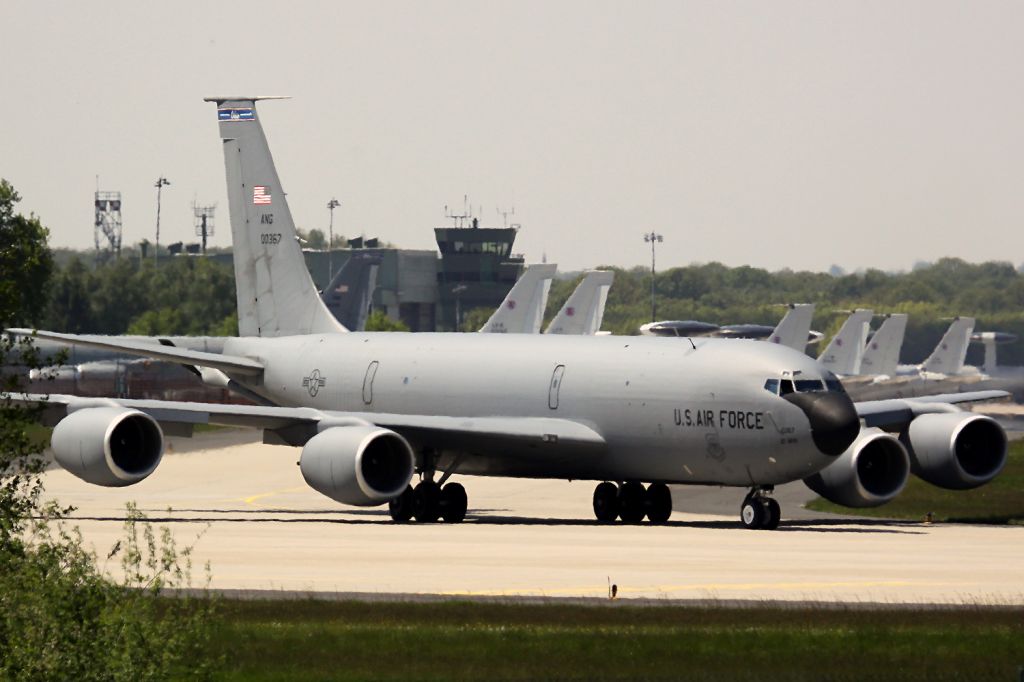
[
  {"x": 653, "y": 238},
  {"x": 204, "y": 221},
  {"x": 331, "y": 205},
  {"x": 160, "y": 184},
  {"x": 107, "y": 225}
]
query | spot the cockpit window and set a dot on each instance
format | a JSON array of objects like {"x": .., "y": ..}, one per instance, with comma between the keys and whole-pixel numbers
[
  {"x": 833, "y": 384},
  {"x": 772, "y": 386},
  {"x": 809, "y": 385},
  {"x": 786, "y": 387}
]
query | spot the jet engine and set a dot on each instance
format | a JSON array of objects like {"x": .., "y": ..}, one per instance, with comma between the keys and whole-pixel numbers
[
  {"x": 871, "y": 472},
  {"x": 108, "y": 446},
  {"x": 358, "y": 465},
  {"x": 955, "y": 450}
]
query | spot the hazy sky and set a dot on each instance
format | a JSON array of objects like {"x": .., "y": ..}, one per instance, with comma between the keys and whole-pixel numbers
[{"x": 776, "y": 134}]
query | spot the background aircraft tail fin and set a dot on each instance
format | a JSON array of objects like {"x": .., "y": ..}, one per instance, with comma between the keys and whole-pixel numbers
[
  {"x": 583, "y": 311},
  {"x": 794, "y": 329},
  {"x": 948, "y": 356},
  {"x": 349, "y": 294},
  {"x": 276, "y": 295},
  {"x": 882, "y": 354},
  {"x": 522, "y": 311},
  {"x": 842, "y": 355}
]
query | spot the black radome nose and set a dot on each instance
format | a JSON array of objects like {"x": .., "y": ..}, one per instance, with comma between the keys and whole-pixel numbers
[{"x": 833, "y": 418}]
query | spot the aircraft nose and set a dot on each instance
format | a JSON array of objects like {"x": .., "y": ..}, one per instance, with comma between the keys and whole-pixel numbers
[{"x": 833, "y": 418}]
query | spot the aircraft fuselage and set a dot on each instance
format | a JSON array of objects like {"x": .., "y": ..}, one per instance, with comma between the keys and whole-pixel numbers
[{"x": 667, "y": 411}]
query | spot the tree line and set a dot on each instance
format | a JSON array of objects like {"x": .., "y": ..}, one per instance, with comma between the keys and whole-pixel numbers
[{"x": 194, "y": 295}]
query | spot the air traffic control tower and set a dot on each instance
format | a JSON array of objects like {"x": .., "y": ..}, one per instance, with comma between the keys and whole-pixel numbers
[{"x": 476, "y": 270}]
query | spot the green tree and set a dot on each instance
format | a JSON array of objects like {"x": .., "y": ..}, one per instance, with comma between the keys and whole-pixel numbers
[
  {"x": 25, "y": 260},
  {"x": 61, "y": 618},
  {"x": 378, "y": 321}
]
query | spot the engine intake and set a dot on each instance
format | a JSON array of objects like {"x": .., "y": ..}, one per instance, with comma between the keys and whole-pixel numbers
[
  {"x": 955, "y": 450},
  {"x": 871, "y": 472},
  {"x": 358, "y": 465},
  {"x": 108, "y": 446}
]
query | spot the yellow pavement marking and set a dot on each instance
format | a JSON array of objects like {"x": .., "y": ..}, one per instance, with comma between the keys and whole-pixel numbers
[{"x": 253, "y": 498}]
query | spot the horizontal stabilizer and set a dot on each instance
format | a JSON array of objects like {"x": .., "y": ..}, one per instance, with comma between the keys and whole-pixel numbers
[{"x": 226, "y": 363}]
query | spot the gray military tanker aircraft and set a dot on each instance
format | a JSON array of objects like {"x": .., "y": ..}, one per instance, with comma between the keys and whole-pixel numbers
[{"x": 373, "y": 410}]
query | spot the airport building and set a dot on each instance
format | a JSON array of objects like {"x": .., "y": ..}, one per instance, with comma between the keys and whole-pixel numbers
[{"x": 474, "y": 267}]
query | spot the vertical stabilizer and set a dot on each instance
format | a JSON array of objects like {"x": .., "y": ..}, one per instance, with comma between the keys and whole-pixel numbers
[
  {"x": 948, "y": 356},
  {"x": 522, "y": 311},
  {"x": 349, "y": 294},
  {"x": 842, "y": 355},
  {"x": 882, "y": 354},
  {"x": 276, "y": 295},
  {"x": 794, "y": 329},
  {"x": 583, "y": 311},
  {"x": 991, "y": 361}
]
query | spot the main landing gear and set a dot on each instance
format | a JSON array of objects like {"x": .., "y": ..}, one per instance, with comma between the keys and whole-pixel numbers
[
  {"x": 631, "y": 502},
  {"x": 759, "y": 511},
  {"x": 428, "y": 502}
]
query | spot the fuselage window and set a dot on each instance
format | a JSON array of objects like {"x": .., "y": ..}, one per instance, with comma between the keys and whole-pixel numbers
[
  {"x": 786, "y": 387},
  {"x": 772, "y": 386}
]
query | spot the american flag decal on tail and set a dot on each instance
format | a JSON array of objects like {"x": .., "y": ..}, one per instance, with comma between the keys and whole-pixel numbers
[{"x": 260, "y": 195}]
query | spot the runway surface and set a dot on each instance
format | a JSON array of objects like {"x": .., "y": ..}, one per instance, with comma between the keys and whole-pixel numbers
[{"x": 248, "y": 512}]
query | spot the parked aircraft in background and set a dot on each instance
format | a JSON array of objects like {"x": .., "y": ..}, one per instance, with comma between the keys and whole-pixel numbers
[
  {"x": 522, "y": 311},
  {"x": 583, "y": 311},
  {"x": 786, "y": 332},
  {"x": 843, "y": 353},
  {"x": 371, "y": 411},
  {"x": 881, "y": 355},
  {"x": 350, "y": 293}
]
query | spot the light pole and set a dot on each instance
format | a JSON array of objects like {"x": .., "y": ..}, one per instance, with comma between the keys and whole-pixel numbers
[
  {"x": 653, "y": 238},
  {"x": 160, "y": 184},
  {"x": 331, "y": 205}
]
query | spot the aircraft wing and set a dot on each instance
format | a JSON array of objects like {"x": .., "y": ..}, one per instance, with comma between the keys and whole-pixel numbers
[
  {"x": 226, "y": 363},
  {"x": 898, "y": 412},
  {"x": 510, "y": 436}
]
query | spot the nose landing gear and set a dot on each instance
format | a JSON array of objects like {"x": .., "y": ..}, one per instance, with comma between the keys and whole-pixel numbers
[
  {"x": 631, "y": 502},
  {"x": 759, "y": 511}
]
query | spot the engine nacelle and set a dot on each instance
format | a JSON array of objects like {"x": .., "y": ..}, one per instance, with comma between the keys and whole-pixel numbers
[
  {"x": 358, "y": 465},
  {"x": 955, "y": 450},
  {"x": 870, "y": 473},
  {"x": 109, "y": 446}
]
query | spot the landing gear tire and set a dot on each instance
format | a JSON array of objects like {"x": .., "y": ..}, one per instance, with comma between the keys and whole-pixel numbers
[
  {"x": 632, "y": 502},
  {"x": 453, "y": 503},
  {"x": 659, "y": 503},
  {"x": 427, "y": 502},
  {"x": 401, "y": 507},
  {"x": 753, "y": 513},
  {"x": 606, "y": 502},
  {"x": 773, "y": 513}
]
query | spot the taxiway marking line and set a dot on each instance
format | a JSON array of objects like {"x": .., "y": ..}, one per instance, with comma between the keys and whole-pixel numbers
[{"x": 259, "y": 496}]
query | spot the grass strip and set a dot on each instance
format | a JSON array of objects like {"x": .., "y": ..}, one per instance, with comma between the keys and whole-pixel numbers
[{"x": 278, "y": 640}]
